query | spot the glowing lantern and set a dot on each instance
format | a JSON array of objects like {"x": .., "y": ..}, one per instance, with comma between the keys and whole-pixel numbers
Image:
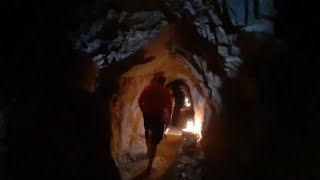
[
  {"x": 190, "y": 127},
  {"x": 194, "y": 127}
]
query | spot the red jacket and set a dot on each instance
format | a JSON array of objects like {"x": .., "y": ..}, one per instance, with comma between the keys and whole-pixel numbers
[{"x": 154, "y": 100}]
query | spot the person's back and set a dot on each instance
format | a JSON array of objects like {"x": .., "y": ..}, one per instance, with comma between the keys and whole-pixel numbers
[{"x": 155, "y": 99}]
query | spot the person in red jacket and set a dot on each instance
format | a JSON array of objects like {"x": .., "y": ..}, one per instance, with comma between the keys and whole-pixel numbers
[{"x": 156, "y": 106}]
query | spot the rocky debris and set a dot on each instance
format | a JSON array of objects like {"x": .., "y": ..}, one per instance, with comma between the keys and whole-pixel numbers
[
  {"x": 232, "y": 65},
  {"x": 216, "y": 97},
  {"x": 249, "y": 16},
  {"x": 189, "y": 161},
  {"x": 188, "y": 6},
  {"x": 221, "y": 36},
  {"x": 112, "y": 15},
  {"x": 231, "y": 73},
  {"x": 203, "y": 19},
  {"x": 140, "y": 17},
  {"x": 189, "y": 168},
  {"x": 234, "y": 50},
  {"x": 215, "y": 19},
  {"x": 123, "y": 15},
  {"x": 111, "y": 57},
  {"x": 233, "y": 59},
  {"x": 99, "y": 60},
  {"x": 96, "y": 27},
  {"x": 233, "y": 38},
  {"x": 154, "y": 19},
  {"x": 117, "y": 42},
  {"x": 189, "y": 164},
  {"x": 216, "y": 81},
  {"x": 210, "y": 35},
  {"x": 223, "y": 51},
  {"x": 199, "y": 4},
  {"x": 220, "y": 5},
  {"x": 92, "y": 46},
  {"x": 143, "y": 27},
  {"x": 204, "y": 29},
  {"x": 200, "y": 62},
  {"x": 140, "y": 27},
  {"x": 212, "y": 83}
]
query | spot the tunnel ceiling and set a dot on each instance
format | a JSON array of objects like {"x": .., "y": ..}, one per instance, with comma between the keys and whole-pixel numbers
[{"x": 119, "y": 34}]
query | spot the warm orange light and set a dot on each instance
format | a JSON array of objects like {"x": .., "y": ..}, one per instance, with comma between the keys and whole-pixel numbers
[
  {"x": 167, "y": 130},
  {"x": 190, "y": 127},
  {"x": 194, "y": 127}
]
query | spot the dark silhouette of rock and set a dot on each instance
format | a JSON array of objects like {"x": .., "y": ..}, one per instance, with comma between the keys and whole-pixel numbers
[
  {"x": 215, "y": 19},
  {"x": 221, "y": 36}
]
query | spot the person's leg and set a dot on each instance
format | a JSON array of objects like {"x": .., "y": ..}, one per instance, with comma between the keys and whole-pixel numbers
[
  {"x": 148, "y": 140},
  {"x": 156, "y": 136},
  {"x": 147, "y": 132},
  {"x": 151, "y": 155}
]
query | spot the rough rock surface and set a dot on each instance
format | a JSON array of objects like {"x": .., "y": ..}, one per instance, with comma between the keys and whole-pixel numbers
[
  {"x": 127, "y": 119},
  {"x": 144, "y": 26},
  {"x": 210, "y": 20}
]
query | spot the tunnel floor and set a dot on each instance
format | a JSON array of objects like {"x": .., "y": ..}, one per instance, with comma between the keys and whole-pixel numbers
[{"x": 163, "y": 164}]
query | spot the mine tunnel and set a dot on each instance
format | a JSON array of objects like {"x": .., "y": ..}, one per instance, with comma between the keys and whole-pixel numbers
[{"x": 243, "y": 92}]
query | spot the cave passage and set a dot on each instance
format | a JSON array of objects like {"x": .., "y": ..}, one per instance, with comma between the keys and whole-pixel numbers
[
  {"x": 128, "y": 143},
  {"x": 183, "y": 109}
]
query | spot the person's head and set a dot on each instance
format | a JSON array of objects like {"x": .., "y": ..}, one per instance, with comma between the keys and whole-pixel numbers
[{"x": 161, "y": 80}]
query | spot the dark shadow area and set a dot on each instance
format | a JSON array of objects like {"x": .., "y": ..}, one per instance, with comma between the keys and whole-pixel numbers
[
  {"x": 271, "y": 112},
  {"x": 56, "y": 129}
]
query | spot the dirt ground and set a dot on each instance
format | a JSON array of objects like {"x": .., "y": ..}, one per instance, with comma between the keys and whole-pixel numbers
[{"x": 163, "y": 164}]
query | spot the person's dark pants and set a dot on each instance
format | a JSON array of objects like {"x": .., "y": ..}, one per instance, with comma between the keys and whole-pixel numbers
[{"x": 154, "y": 127}]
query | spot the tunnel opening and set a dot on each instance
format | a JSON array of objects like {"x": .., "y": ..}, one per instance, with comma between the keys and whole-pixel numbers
[{"x": 183, "y": 110}]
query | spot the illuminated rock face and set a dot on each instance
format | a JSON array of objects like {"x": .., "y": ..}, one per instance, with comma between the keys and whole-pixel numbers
[
  {"x": 127, "y": 119},
  {"x": 127, "y": 122}
]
